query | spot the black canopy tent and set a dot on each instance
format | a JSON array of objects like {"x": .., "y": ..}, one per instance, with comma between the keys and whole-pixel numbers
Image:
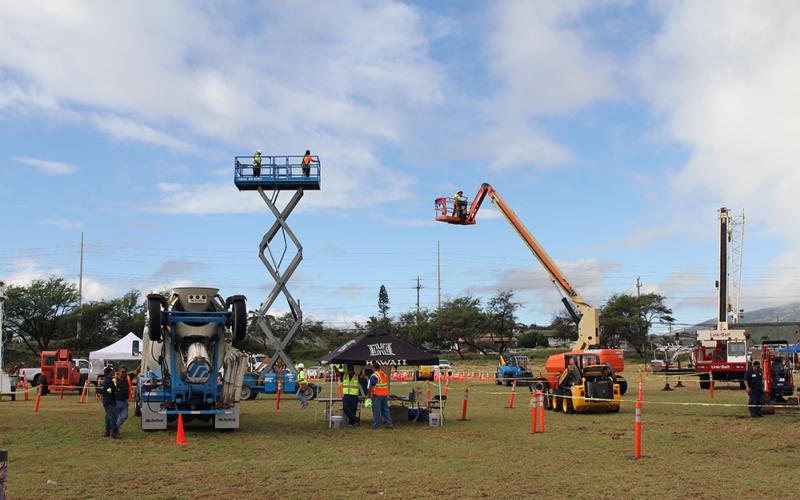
[{"x": 378, "y": 346}]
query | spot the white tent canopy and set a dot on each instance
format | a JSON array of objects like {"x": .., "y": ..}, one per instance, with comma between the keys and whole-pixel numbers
[{"x": 122, "y": 349}]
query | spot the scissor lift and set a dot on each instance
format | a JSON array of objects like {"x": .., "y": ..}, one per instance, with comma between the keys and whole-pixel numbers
[{"x": 276, "y": 174}]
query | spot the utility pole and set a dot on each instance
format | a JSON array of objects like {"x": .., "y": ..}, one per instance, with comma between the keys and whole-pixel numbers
[
  {"x": 638, "y": 287},
  {"x": 438, "y": 278},
  {"x": 80, "y": 294},
  {"x": 418, "y": 287},
  {"x": 2, "y": 300}
]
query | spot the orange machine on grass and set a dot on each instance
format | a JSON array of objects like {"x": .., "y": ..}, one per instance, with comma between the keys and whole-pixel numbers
[
  {"x": 59, "y": 371},
  {"x": 586, "y": 317}
]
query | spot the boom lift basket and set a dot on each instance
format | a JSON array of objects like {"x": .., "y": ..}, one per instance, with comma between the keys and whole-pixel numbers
[{"x": 446, "y": 212}]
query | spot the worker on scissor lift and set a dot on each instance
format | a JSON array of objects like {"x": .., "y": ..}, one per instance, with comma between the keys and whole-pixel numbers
[
  {"x": 257, "y": 163},
  {"x": 460, "y": 205},
  {"x": 307, "y": 159}
]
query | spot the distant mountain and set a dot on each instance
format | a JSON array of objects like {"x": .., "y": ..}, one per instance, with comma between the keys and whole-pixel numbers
[{"x": 786, "y": 313}]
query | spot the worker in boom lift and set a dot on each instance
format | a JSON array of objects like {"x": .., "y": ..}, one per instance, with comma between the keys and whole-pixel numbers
[
  {"x": 257, "y": 163},
  {"x": 302, "y": 384},
  {"x": 460, "y": 205},
  {"x": 307, "y": 160},
  {"x": 754, "y": 383}
]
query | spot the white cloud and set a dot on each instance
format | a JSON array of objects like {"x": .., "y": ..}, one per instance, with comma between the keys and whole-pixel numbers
[
  {"x": 723, "y": 78},
  {"x": 63, "y": 224},
  {"x": 48, "y": 167},
  {"x": 24, "y": 271},
  {"x": 125, "y": 129},
  {"x": 210, "y": 72},
  {"x": 545, "y": 67}
]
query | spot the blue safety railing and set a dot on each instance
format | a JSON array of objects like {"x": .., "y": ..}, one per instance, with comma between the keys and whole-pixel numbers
[{"x": 276, "y": 172}]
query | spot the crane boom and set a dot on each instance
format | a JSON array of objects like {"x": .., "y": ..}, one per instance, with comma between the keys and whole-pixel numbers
[{"x": 587, "y": 317}]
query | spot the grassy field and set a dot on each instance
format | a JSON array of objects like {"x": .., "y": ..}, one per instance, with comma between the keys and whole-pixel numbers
[{"x": 697, "y": 451}]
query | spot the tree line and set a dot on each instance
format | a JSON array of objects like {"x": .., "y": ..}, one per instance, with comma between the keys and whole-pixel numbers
[{"x": 45, "y": 314}]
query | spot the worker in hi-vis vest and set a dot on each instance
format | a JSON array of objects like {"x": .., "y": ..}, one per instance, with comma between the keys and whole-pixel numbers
[
  {"x": 302, "y": 384},
  {"x": 307, "y": 160},
  {"x": 257, "y": 163},
  {"x": 379, "y": 387},
  {"x": 351, "y": 390},
  {"x": 460, "y": 205}
]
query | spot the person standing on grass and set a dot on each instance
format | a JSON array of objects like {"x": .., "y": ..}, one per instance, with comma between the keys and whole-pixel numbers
[
  {"x": 754, "y": 383},
  {"x": 351, "y": 389},
  {"x": 109, "y": 403},
  {"x": 122, "y": 396},
  {"x": 379, "y": 385},
  {"x": 302, "y": 384}
]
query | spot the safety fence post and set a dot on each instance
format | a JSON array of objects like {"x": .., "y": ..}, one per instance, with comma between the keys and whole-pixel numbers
[
  {"x": 83, "y": 392},
  {"x": 637, "y": 440},
  {"x": 513, "y": 394},
  {"x": 534, "y": 413},
  {"x": 38, "y": 400},
  {"x": 711, "y": 386},
  {"x": 464, "y": 406},
  {"x": 541, "y": 411},
  {"x": 641, "y": 386}
]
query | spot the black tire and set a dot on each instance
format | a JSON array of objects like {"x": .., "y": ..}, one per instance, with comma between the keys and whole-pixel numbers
[
  {"x": 539, "y": 385},
  {"x": 508, "y": 381},
  {"x": 82, "y": 381},
  {"x": 239, "y": 320},
  {"x": 247, "y": 392},
  {"x": 741, "y": 385},
  {"x": 567, "y": 406},
  {"x": 497, "y": 380},
  {"x": 705, "y": 382},
  {"x": 38, "y": 379},
  {"x": 154, "y": 319},
  {"x": 623, "y": 386},
  {"x": 554, "y": 401}
]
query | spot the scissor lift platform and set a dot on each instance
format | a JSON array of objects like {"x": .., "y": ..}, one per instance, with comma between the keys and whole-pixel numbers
[{"x": 276, "y": 173}]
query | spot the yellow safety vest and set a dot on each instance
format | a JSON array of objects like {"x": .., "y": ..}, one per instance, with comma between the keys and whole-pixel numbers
[
  {"x": 301, "y": 377},
  {"x": 350, "y": 385},
  {"x": 257, "y": 160}
]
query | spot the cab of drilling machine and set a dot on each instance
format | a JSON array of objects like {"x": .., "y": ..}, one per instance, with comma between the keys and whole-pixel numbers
[{"x": 585, "y": 386}]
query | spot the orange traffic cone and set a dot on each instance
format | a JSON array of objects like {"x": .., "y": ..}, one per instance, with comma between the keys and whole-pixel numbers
[{"x": 180, "y": 438}]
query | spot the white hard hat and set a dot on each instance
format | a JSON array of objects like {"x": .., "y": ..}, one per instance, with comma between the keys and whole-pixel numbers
[
  {"x": 300, "y": 366},
  {"x": 258, "y": 151}
]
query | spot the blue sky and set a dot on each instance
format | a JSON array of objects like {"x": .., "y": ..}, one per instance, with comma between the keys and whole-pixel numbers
[{"x": 614, "y": 129}]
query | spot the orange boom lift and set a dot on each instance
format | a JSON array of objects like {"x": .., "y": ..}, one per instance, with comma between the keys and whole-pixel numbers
[{"x": 586, "y": 317}]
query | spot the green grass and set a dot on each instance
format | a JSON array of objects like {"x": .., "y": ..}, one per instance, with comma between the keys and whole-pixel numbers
[{"x": 697, "y": 451}]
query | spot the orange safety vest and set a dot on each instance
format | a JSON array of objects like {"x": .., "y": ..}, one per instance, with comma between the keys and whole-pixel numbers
[
  {"x": 382, "y": 387},
  {"x": 307, "y": 159}
]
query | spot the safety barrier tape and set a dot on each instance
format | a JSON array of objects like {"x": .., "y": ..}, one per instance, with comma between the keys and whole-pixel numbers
[{"x": 645, "y": 401}]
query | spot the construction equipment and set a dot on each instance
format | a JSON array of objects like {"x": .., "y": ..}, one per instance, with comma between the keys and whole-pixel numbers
[
  {"x": 257, "y": 382},
  {"x": 585, "y": 386},
  {"x": 586, "y": 317},
  {"x": 514, "y": 368},
  {"x": 189, "y": 365},
  {"x": 777, "y": 370},
  {"x": 723, "y": 352},
  {"x": 58, "y": 370}
]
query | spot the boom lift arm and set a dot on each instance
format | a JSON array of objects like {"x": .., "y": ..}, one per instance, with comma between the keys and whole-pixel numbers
[{"x": 586, "y": 317}]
